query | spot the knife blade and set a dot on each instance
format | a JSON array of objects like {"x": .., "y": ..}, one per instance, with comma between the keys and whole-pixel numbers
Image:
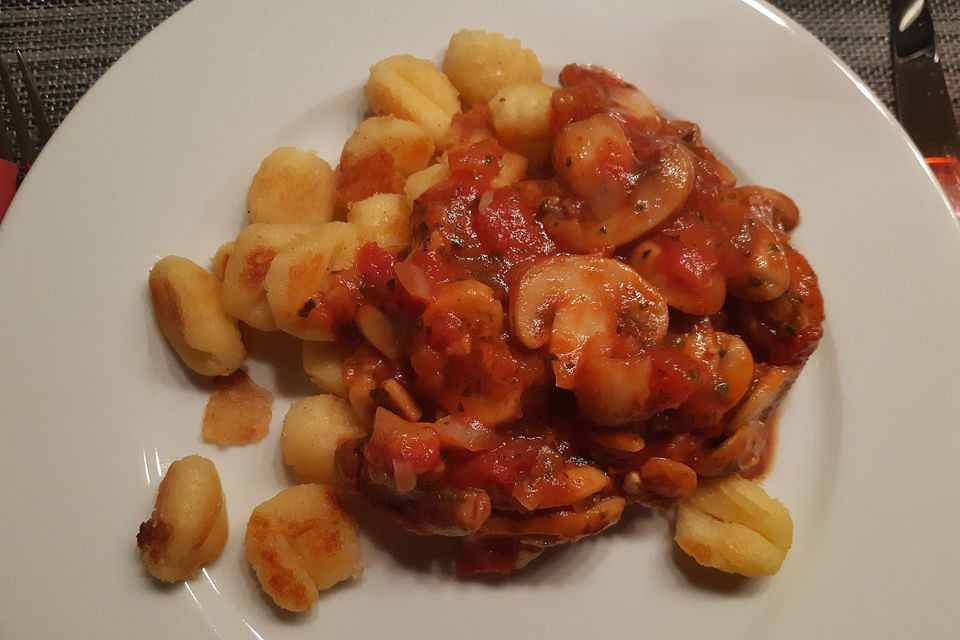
[{"x": 923, "y": 103}]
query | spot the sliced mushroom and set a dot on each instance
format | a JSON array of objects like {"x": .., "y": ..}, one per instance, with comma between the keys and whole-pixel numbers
[
  {"x": 462, "y": 358},
  {"x": 564, "y": 301},
  {"x": 704, "y": 301},
  {"x": 377, "y": 328},
  {"x": 473, "y": 303},
  {"x": 590, "y": 156},
  {"x": 754, "y": 246},
  {"x": 780, "y": 208},
  {"x": 769, "y": 387},
  {"x": 742, "y": 451},
  {"x": 563, "y": 524}
]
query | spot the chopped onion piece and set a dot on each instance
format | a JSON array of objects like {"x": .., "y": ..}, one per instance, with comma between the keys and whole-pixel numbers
[{"x": 459, "y": 431}]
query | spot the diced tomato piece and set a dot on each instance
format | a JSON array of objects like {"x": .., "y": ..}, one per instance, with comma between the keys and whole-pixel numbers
[
  {"x": 447, "y": 329},
  {"x": 443, "y": 216},
  {"x": 673, "y": 378},
  {"x": 796, "y": 348},
  {"x": 500, "y": 467},
  {"x": 685, "y": 264},
  {"x": 507, "y": 225},
  {"x": 422, "y": 273},
  {"x": 375, "y": 265},
  {"x": 617, "y": 169},
  {"x": 479, "y": 162},
  {"x": 689, "y": 252},
  {"x": 644, "y": 142},
  {"x": 334, "y": 307},
  {"x": 500, "y": 470},
  {"x": 584, "y": 92}
]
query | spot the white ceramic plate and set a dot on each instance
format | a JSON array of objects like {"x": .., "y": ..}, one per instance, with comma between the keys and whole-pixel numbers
[{"x": 156, "y": 160}]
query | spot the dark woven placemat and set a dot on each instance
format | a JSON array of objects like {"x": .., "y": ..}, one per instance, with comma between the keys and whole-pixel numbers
[{"x": 70, "y": 43}]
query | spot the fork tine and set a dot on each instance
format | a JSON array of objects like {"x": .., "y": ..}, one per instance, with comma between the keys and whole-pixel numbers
[
  {"x": 27, "y": 149},
  {"x": 36, "y": 102}
]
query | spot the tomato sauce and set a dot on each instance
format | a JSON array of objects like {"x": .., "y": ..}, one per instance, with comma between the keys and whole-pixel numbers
[{"x": 505, "y": 450}]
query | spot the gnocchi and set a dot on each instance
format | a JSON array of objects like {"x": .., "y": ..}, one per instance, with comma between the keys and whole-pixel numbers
[
  {"x": 186, "y": 303},
  {"x": 522, "y": 118},
  {"x": 415, "y": 90},
  {"x": 312, "y": 430},
  {"x": 301, "y": 542},
  {"x": 220, "y": 260},
  {"x": 383, "y": 219},
  {"x": 408, "y": 144},
  {"x": 188, "y": 526},
  {"x": 298, "y": 273},
  {"x": 734, "y": 526},
  {"x": 479, "y": 63},
  {"x": 421, "y": 181},
  {"x": 292, "y": 185},
  {"x": 324, "y": 363},
  {"x": 242, "y": 289}
]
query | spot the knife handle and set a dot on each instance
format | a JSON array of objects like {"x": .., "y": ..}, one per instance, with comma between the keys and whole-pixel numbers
[
  {"x": 8, "y": 185},
  {"x": 946, "y": 170}
]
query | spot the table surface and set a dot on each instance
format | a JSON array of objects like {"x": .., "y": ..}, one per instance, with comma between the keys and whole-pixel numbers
[{"x": 70, "y": 43}]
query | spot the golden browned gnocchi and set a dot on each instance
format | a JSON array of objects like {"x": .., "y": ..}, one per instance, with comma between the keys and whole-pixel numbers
[
  {"x": 188, "y": 527},
  {"x": 479, "y": 63},
  {"x": 734, "y": 526},
  {"x": 383, "y": 218},
  {"x": 407, "y": 143},
  {"x": 299, "y": 272},
  {"x": 187, "y": 305},
  {"x": 253, "y": 251},
  {"x": 312, "y": 430},
  {"x": 292, "y": 185},
  {"x": 415, "y": 90},
  {"x": 301, "y": 542},
  {"x": 521, "y": 117}
]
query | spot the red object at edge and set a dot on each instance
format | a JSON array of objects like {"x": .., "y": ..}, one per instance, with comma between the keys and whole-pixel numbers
[
  {"x": 947, "y": 172},
  {"x": 8, "y": 185}
]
